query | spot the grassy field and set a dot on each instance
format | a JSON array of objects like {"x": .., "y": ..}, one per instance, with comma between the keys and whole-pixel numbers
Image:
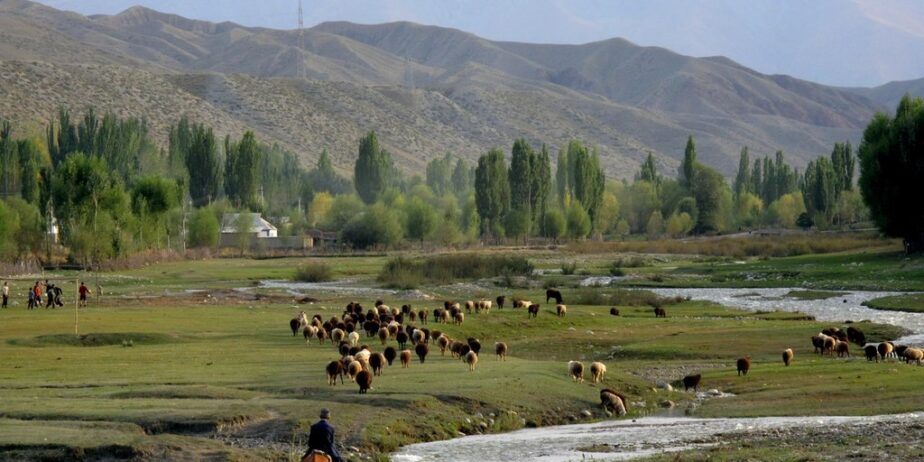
[
  {"x": 911, "y": 302},
  {"x": 165, "y": 372}
]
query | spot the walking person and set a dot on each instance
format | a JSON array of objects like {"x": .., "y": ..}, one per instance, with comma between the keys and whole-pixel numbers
[
  {"x": 6, "y": 294},
  {"x": 83, "y": 291},
  {"x": 49, "y": 294},
  {"x": 37, "y": 290},
  {"x": 321, "y": 439}
]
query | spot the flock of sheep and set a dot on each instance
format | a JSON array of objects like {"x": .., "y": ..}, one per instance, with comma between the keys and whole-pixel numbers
[{"x": 361, "y": 363}]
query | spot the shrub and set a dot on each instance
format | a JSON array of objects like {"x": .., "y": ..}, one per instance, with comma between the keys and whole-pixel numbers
[
  {"x": 402, "y": 272},
  {"x": 620, "y": 297},
  {"x": 568, "y": 268},
  {"x": 314, "y": 272},
  {"x": 616, "y": 270},
  {"x": 203, "y": 228}
]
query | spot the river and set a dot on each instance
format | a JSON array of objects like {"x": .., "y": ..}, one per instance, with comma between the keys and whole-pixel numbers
[{"x": 627, "y": 439}]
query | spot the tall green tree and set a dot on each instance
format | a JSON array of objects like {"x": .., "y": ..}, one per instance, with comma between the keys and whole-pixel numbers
[
  {"x": 743, "y": 179},
  {"x": 688, "y": 167},
  {"x": 520, "y": 177},
  {"x": 819, "y": 190},
  {"x": 463, "y": 179},
  {"x": 492, "y": 190},
  {"x": 562, "y": 180},
  {"x": 844, "y": 164},
  {"x": 241, "y": 175},
  {"x": 710, "y": 193},
  {"x": 372, "y": 170},
  {"x": 199, "y": 153},
  {"x": 439, "y": 175},
  {"x": 541, "y": 185},
  {"x": 586, "y": 178},
  {"x": 649, "y": 171},
  {"x": 891, "y": 169}
]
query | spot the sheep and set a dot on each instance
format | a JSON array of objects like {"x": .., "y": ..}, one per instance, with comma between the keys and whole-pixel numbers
[
  {"x": 830, "y": 344},
  {"x": 872, "y": 353},
  {"x": 517, "y": 303},
  {"x": 913, "y": 354},
  {"x": 390, "y": 354},
  {"x": 434, "y": 334},
  {"x": 459, "y": 318},
  {"x": 308, "y": 332},
  {"x": 576, "y": 370},
  {"x": 336, "y": 336},
  {"x": 344, "y": 348},
  {"x": 422, "y": 315},
  {"x": 294, "y": 324},
  {"x": 744, "y": 365},
  {"x": 402, "y": 339},
  {"x": 787, "y": 356},
  {"x": 500, "y": 349},
  {"x": 885, "y": 350},
  {"x": 471, "y": 358},
  {"x": 474, "y": 345},
  {"x": 842, "y": 348},
  {"x": 371, "y": 328},
  {"x": 406, "y": 358},
  {"x": 455, "y": 347},
  {"x": 364, "y": 380},
  {"x": 354, "y": 368},
  {"x": 597, "y": 371},
  {"x": 321, "y": 334},
  {"x": 500, "y": 301},
  {"x": 561, "y": 309},
  {"x": 469, "y": 306},
  {"x": 406, "y": 309},
  {"x": 363, "y": 356},
  {"x": 692, "y": 381},
  {"x": 418, "y": 336},
  {"x": 334, "y": 368},
  {"x": 377, "y": 363},
  {"x": 443, "y": 342},
  {"x": 552, "y": 293},
  {"x": 484, "y": 305},
  {"x": 614, "y": 311},
  {"x": 383, "y": 335},
  {"x": 660, "y": 312},
  {"x": 422, "y": 349},
  {"x": 393, "y": 328},
  {"x": 533, "y": 310},
  {"x": 818, "y": 341},
  {"x": 856, "y": 335},
  {"x": 900, "y": 351},
  {"x": 613, "y": 402},
  {"x": 353, "y": 338}
]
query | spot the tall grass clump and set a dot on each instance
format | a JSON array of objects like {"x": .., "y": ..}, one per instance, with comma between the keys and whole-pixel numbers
[
  {"x": 568, "y": 269},
  {"x": 406, "y": 273},
  {"x": 314, "y": 272}
]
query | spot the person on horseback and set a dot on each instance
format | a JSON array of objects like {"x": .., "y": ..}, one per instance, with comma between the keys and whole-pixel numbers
[{"x": 321, "y": 438}]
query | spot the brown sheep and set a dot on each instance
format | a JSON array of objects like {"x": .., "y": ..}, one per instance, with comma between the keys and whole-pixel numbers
[
  {"x": 830, "y": 344},
  {"x": 422, "y": 315},
  {"x": 308, "y": 332},
  {"x": 406, "y": 356},
  {"x": 443, "y": 343},
  {"x": 842, "y": 348},
  {"x": 295, "y": 324},
  {"x": 500, "y": 349},
  {"x": 872, "y": 353},
  {"x": 613, "y": 402},
  {"x": 885, "y": 350},
  {"x": 390, "y": 354},
  {"x": 597, "y": 371},
  {"x": 787, "y": 356},
  {"x": 692, "y": 381},
  {"x": 561, "y": 309},
  {"x": 402, "y": 339},
  {"x": 459, "y": 318},
  {"x": 334, "y": 368},
  {"x": 422, "y": 349},
  {"x": 377, "y": 363},
  {"x": 614, "y": 311},
  {"x": 322, "y": 334},
  {"x": 469, "y": 306},
  {"x": 576, "y": 371},
  {"x": 336, "y": 336},
  {"x": 818, "y": 341},
  {"x": 856, "y": 335},
  {"x": 533, "y": 310},
  {"x": 383, "y": 335},
  {"x": 660, "y": 312},
  {"x": 552, "y": 293},
  {"x": 354, "y": 368},
  {"x": 914, "y": 354},
  {"x": 744, "y": 365},
  {"x": 471, "y": 358},
  {"x": 364, "y": 380}
]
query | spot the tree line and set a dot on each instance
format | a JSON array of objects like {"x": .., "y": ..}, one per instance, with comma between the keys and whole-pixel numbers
[{"x": 111, "y": 191}]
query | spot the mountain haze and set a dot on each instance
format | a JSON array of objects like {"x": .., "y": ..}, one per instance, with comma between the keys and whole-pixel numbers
[{"x": 426, "y": 90}]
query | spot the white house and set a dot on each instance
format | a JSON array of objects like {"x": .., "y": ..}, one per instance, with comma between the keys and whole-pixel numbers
[{"x": 260, "y": 228}]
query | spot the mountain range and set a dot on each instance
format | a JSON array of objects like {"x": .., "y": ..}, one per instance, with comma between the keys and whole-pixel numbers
[{"x": 425, "y": 90}]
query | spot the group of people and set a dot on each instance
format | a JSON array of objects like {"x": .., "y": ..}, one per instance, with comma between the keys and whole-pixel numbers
[{"x": 51, "y": 292}]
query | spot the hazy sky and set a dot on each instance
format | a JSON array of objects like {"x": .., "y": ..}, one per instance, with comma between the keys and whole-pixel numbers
[{"x": 840, "y": 42}]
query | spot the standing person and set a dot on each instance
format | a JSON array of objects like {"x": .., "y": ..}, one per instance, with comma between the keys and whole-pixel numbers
[
  {"x": 6, "y": 294},
  {"x": 83, "y": 291},
  {"x": 38, "y": 293},
  {"x": 321, "y": 438},
  {"x": 49, "y": 294},
  {"x": 31, "y": 299}
]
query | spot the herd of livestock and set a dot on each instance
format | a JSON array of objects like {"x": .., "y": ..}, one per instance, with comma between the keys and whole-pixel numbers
[{"x": 360, "y": 363}]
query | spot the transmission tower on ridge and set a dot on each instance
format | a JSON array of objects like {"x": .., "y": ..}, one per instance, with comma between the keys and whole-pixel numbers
[{"x": 300, "y": 65}]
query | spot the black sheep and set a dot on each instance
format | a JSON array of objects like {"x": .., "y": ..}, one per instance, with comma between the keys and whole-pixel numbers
[
  {"x": 422, "y": 349},
  {"x": 553, "y": 293},
  {"x": 692, "y": 381},
  {"x": 390, "y": 354},
  {"x": 364, "y": 380}
]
